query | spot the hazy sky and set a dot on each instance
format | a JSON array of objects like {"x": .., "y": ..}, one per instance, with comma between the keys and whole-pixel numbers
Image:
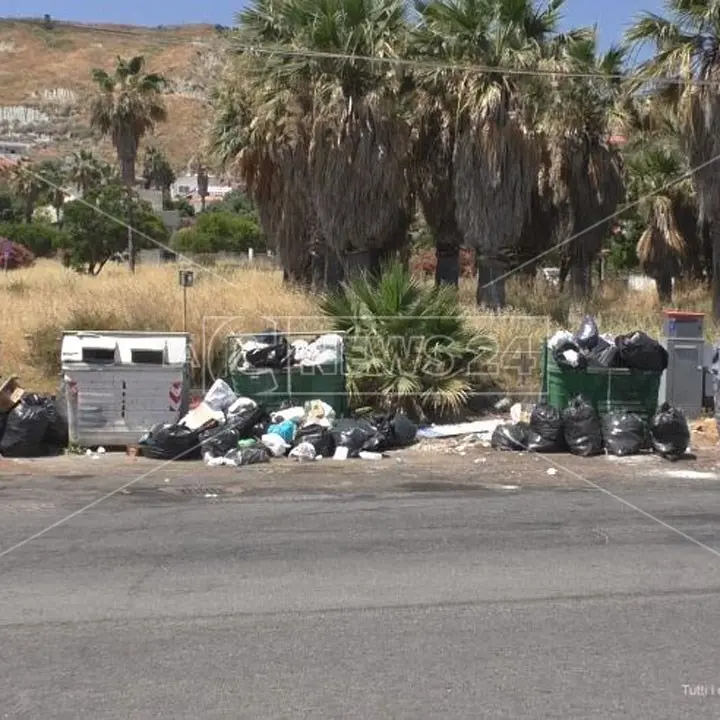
[{"x": 611, "y": 16}]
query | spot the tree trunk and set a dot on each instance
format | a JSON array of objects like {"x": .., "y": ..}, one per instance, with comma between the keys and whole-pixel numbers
[
  {"x": 715, "y": 240},
  {"x": 127, "y": 169},
  {"x": 580, "y": 280},
  {"x": 447, "y": 265},
  {"x": 490, "y": 289},
  {"x": 334, "y": 272},
  {"x": 562, "y": 276},
  {"x": 318, "y": 269},
  {"x": 357, "y": 262},
  {"x": 708, "y": 254},
  {"x": 663, "y": 282}
]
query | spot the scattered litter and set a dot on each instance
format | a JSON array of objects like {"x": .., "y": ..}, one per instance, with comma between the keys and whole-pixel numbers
[
  {"x": 552, "y": 471},
  {"x": 510, "y": 487},
  {"x": 481, "y": 427},
  {"x": 503, "y": 405},
  {"x": 691, "y": 475},
  {"x": 341, "y": 453},
  {"x": 167, "y": 480},
  {"x": 481, "y": 460},
  {"x": 101, "y": 450},
  {"x": 366, "y": 455},
  {"x": 303, "y": 452},
  {"x": 210, "y": 495}
]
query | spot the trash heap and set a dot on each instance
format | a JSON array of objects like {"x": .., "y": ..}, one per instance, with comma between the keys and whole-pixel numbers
[
  {"x": 271, "y": 349},
  {"x": 588, "y": 348},
  {"x": 32, "y": 427},
  {"x": 225, "y": 429},
  {"x": 579, "y": 430}
]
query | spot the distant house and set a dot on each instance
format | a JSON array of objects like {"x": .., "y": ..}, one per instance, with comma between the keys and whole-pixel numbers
[
  {"x": 186, "y": 187},
  {"x": 13, "y": 150}
]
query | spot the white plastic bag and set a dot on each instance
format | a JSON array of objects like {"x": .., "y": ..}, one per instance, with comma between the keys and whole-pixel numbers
[
  {"x": 241, "y": 405},
  {"x": 303, "y": 451},
  {"x": 275, "y": 444},
  {"x": 220, "y": 396}
]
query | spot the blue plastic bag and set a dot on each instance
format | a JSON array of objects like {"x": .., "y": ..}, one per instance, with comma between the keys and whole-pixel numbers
[{"x": 286, "y": 430}]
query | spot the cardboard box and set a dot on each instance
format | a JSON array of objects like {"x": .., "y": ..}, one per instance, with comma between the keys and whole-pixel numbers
[{"x": 10, "y": 394}]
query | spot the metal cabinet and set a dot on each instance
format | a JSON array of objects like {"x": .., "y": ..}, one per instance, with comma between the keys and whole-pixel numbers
[{"x": 683, "y": 382}]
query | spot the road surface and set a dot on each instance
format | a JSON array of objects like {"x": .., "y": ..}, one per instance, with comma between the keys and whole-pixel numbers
[{"x": 532, "y": 603}]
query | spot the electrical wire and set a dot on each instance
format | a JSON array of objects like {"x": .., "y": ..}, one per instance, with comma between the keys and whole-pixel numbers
[{"x": 307, "y": 53}]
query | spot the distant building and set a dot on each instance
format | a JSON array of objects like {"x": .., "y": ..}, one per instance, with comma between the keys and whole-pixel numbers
[
  {"x": 14, "y": 150},
  {"x": 186, "y": 187}
]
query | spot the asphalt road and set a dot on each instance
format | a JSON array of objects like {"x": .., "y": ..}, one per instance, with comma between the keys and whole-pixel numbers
[{"x": 528, "y": 604}]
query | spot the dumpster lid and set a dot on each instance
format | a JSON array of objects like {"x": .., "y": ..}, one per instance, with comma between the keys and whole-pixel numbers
[{"x": 683, "y": 314}]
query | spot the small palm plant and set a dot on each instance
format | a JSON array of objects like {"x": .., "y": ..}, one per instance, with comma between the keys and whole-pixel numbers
[{"x": 409, "y": 346}]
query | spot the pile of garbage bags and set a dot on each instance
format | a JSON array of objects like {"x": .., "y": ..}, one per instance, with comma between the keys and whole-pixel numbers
[
  {"x": 588, "y": 348},
  {"x": 271, "y": 349},
  {"x": 229, "y": 430},
  {"x": 579, "y": 430},
  {"x": 33, "y": 427}
]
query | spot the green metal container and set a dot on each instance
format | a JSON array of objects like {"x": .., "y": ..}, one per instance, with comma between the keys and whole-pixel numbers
[
  {"x": 606, "y": 389},
  {"x": 294, "y": 385}
]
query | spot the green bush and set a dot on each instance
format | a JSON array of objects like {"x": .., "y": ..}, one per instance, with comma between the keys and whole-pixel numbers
[
  {"x": 409, "y": 345},
  {"x": 220, "y": 232},
  {"x": 40, "y": 238}
]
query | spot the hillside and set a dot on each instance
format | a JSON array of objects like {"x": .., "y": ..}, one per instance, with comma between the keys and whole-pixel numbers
[{"x": 45, "y": 81}]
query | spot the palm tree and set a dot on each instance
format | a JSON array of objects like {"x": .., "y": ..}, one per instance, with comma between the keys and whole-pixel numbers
[
  {"x": 670, "y": 244},
  {"x": 54, "y": 174},
  {"x": 330, "y": 130},
  {"x": 583, "y": 168},
  {"x": 127, "y": 106},
  {"x": 473, "y": 127},
  {"x": 202, "y": 185},
  {"x": 261, "y": 131},
  {"x": 27, "y": 185},
  {"x": 85, "y": 171},
  {"x": 158, "y": 173},
  {"x": 687, "y": 48}
]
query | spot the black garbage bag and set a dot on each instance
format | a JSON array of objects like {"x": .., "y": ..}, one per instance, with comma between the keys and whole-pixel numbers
[
  {"x": 604, "y": 355},
  {"x": 3, "y": 422},
  {"x": 249, "y": 422},
  {"x": 276, "y": 356},
  {"x": 639, "y": 351},
  {"x": 546, "y": 427},
  {"x": 559, "y": 355},
  {"x": 57, "y": 433},
  {"x": 249, "y": 456},
  {"x": 587, "y": 336},
  {"x": 582, "y": 428},
  {"x": 25, "y": 428},
  {"x": 219, "y": 440},
  {"x": 510, "y": 436},
  {"x": 404, "y": 430},
  {"x": 624, "y": 433},
  {"x": 669, "y": 432},
  {"x": 357, "y": 435},
  {"x": 167, "y": 441},
  {"x": 538, "y": 444},
  {"x": 319, "y": 437}
]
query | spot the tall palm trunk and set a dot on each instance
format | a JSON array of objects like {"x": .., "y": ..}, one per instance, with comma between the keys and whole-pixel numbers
[
  {"x": 359, "y": 181},
  {"x": 495, "y": 172}
]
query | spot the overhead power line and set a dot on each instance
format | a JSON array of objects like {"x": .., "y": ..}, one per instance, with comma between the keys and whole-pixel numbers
[{"x": 307, "y": 53}]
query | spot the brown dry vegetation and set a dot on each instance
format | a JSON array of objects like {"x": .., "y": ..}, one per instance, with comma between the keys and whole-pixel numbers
[
  {"x": 33, "y": 59},
  {"x": 41, "y": 301}
]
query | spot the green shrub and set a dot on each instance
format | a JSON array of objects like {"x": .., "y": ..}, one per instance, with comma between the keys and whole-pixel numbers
[{"x": 409, "y": 345}]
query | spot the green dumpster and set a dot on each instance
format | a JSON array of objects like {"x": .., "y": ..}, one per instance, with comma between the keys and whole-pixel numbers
[
  {"x": 606, "y": 389},
  {"x": 295, "y": 385}
]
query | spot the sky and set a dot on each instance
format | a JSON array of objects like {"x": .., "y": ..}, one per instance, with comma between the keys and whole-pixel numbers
[{"x": 611, "y": 16}]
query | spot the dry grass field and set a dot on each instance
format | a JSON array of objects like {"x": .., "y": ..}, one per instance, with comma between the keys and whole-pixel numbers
[{"x": 42, "y": 301}]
